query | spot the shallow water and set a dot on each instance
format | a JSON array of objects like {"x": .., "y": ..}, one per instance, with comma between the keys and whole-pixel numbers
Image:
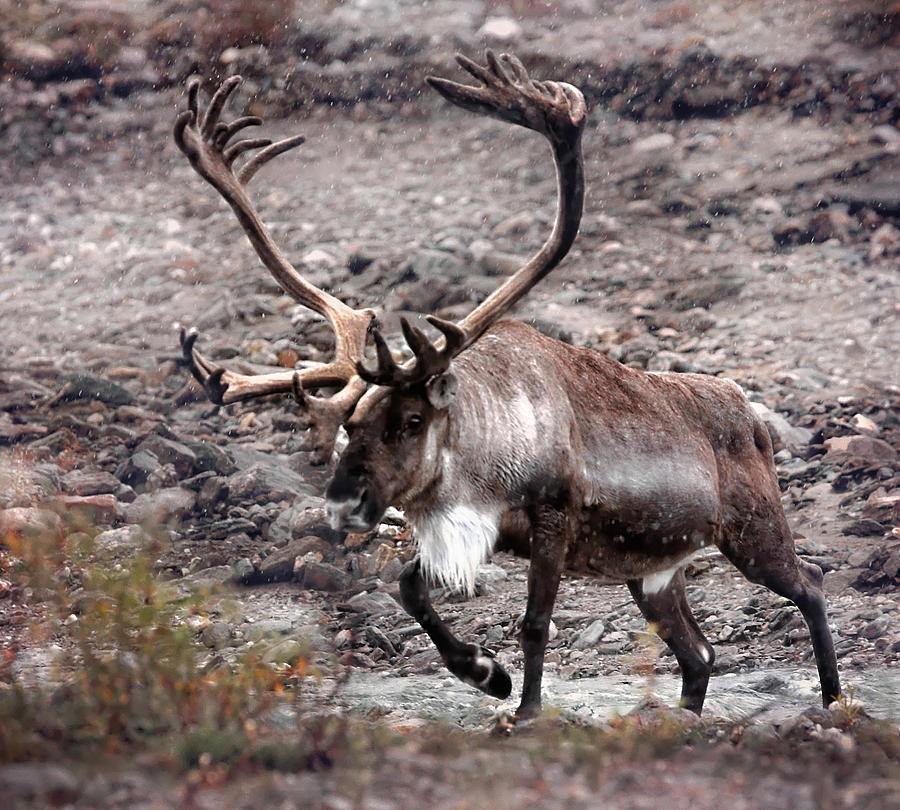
[{"x": 770, "y": 695}]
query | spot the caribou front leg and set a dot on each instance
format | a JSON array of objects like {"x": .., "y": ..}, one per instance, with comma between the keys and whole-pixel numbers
[
  {"x": 552, "y": 532},
  {"x": 469, "y": 662}
]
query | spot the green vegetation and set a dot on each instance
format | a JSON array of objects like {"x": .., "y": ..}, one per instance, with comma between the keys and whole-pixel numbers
[{"x": 131, "y": 673}]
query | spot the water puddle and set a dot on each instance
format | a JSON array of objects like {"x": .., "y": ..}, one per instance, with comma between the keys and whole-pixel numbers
[{"x": 768, "y": 695}]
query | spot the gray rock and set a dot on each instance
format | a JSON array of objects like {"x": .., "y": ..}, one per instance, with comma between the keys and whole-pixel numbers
[
  {"x": 377, "y": 638},
  {"x": 213, "y": 493},
  {"x": 693, "y": 320},
  {"x": 498, "y": 263},
  {"x": 87, "y": 386},
  {"x": 883, "y": 506},
  {"x": 286, "y": 651},
  {"x": 500, "y": 30},
  {"x": 652, "y": 143},
  {"x": 804, "y": 379},
  {"x": 136, "y": 469},
  {"x": 220, "y": 529},
  {"x": 879, "y": 191},
  {"x": 669, "y": 361},
  {"x": 216, "y": 635},
  {"x": 125, "y": 493},
  {"x": 280, "y": 566},
  {"x": 322, "y": 576},
  {"x": 167, "y": 451},
  {"x": 494, "y": 635},
  {"x": 590, "y": 636},
  {"x": 312, "y": 637},
  {"x": 759, "y": 736},
  {"x": 161, "y": 506},
  {"x": 268, "y": 628},
  {"x": 374, "y": 603},
  {"x": 301, "y": 520},
  {"x": 391, "y": 570},
  {"x": 797, "y": 728},
  {"x": 516, "y": 224},
  {"x": 489, "y": 578},
  {"x": 46, "y": 477},
  {"x": 162, "y": 478},
  {"x": 125, "y": 538},
  {"x": 876, "y": 628},
  {"x": 210, "y": 457},
  {"x": 27, "y": 781},
  {"x": 782, "y": 433},
  {"x": 89, "y": 482},
  {"x": 264, "y": 482},
  {"x": 705, "y": 292},
  {"x": 242, "y": 569},
  {"x": 210, "y": 577}
]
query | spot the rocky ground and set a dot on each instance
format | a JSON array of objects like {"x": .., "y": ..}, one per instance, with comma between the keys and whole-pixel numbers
[{"x": 742, "y": 220}]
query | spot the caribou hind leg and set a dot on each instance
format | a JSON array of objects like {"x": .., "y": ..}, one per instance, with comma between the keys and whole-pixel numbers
[
  {"x": 469, "y": 662},
  {"x": 758, "y": 541},
  {"x": 668, "y": 611},
  {"x": 772, "y": 562}
]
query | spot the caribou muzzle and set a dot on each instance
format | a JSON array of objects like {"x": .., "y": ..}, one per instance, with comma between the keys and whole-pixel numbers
[{"x": 351, "y": 503}]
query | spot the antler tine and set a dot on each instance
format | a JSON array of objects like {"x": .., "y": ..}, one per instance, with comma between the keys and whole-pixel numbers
[
  {"x": 323, "y": 416},
  {"x": 252, "y": 166},
  {"x": 217, "y": 104},
  {"x": 428, "y": 360},
  {"x": 236, "y": 150},
  {"x": 224, "y": 387},
  {"x": 224, "y": 132}
]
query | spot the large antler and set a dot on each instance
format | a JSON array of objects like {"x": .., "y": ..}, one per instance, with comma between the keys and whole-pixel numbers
[
  {"x": 205, "y": 142},
  {"x": 555, "y": 109}
]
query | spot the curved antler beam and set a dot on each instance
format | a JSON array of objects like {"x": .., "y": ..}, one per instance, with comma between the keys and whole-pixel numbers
[
  {"x": 207, "y": 143},
  {"x": 558, "y": 111}
]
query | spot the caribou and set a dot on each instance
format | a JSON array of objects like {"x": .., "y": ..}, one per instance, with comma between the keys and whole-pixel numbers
[{"x": 493, "y": 436}]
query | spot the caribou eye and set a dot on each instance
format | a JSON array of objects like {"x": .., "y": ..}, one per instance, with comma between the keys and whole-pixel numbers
[{"x": 414, "y": 424}]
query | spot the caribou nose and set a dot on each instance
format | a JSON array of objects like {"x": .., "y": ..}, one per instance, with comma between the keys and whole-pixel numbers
[{"x": 346, "y": 512}]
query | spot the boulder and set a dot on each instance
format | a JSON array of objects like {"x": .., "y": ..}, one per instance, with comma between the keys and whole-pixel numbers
[
  {"x": 125, "y": 538},
  {"x": 883, "y": 507},
  {"x": 167, "y": 451},
  {"x": 88, "y": 386},
  {"x": 90, "y": 482},
  {"x": 782, "y": 433},
  {"x": 263, "y": 483},
  {"x": 865, "y": 447},
  {"x": 160, "y": 507},
  {"x": 27, "y": 520}
]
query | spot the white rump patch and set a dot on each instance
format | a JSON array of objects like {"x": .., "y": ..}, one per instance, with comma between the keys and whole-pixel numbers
[
  {"x": 453, "y": 543},
  {"x": 654, "y": 583}
]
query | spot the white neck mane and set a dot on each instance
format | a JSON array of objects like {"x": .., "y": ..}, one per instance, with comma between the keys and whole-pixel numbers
[{"x": 455, "y": 541}]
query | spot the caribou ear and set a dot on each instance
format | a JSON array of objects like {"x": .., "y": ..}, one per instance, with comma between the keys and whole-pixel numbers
[{"x": 441, "y": 390}]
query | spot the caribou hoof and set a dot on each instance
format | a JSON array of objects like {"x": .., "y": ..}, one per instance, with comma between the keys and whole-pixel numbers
[
  {"x": 477, "y": 667},
  {"x": 507, "y": 724}
]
